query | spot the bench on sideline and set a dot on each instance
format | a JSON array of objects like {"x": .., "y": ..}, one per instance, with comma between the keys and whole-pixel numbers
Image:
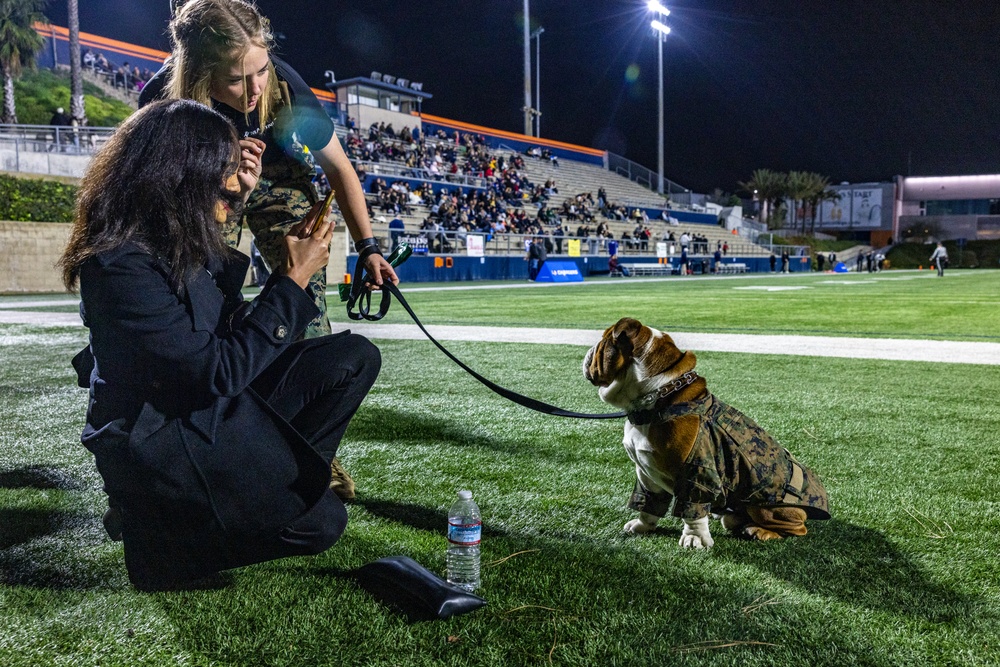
[
  {"x": 647, "y": 269},
  {"x": 732, "y": 267}
]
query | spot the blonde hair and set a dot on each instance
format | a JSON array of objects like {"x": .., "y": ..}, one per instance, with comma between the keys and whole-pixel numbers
[{"x": 208, "y": 34}]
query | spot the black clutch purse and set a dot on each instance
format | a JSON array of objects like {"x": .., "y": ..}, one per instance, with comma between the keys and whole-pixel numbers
[{"x": 414, "y": 590}]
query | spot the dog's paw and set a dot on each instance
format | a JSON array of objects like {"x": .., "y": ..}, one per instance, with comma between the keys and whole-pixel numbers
[
  {"x": 696, "y": 535},
  {"x": 696, "y": 542},
  {"x": 638, "y": 527},
  {"x": 761, "y": 534}
]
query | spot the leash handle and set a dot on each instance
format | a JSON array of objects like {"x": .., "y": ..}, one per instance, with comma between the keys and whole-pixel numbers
[
  {"x": 520, "y": 399},
  {"x": 360, "y": 296}
]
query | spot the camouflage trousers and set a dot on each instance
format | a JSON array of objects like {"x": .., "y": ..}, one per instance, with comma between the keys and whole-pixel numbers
[{"x": 283, "y": 197}]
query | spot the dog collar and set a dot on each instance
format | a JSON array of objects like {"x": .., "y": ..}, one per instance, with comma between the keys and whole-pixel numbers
[{"x": 648, "y": 412}]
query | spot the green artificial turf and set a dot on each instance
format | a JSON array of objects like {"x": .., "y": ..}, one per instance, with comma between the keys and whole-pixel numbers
[
  {"x": 901, "y": 304},
  {"x": 904, "y": 574}
]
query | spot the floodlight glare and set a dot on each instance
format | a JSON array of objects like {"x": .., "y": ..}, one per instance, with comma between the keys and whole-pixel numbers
[
  {"x": 655, "y": 6},
  {"x": 659, "y": 27}
]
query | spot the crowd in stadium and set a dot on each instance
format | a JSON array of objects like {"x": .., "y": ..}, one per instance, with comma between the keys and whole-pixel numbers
[
  {"x": 125, "y": 76},
  {"x": 501, "y": 208}
]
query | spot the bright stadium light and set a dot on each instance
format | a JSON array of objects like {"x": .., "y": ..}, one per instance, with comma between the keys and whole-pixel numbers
[
  {"x": 655, "y": 6},
  {"x": 661, "y": 36}
]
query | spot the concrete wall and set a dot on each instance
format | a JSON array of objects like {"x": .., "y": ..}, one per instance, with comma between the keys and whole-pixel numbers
[
  {"x": 28, "y": 253},
  {"x": 30, "y": 250},
  {"x": 56, "y": 164}
]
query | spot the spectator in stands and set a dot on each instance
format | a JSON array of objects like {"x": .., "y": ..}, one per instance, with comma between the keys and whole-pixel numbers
[
  {"x": 557, "y": 236},
  {"x": 89, "y": 59},
  {"x": 396, "y": 230},
  {"x": 121, "y": 77},
  {"x": 102, "y": 63},
  {"x": 213, "y": 432}
]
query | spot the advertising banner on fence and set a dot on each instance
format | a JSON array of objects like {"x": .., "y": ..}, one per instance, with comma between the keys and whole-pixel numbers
[{"x": 474, "y": 245}]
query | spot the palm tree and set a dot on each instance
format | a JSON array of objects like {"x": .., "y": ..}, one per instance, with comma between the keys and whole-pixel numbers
[
  {"x": 18, "y": 45},
  {"x": 76, "y": 107},
  {"x": 798, "y": 191},
  {"x": 769, "y": 186},
  {"x": 821, "y": 192}
]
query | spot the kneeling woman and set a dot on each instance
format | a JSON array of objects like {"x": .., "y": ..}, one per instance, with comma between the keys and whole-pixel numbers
[{"x": 212, "y": 430}]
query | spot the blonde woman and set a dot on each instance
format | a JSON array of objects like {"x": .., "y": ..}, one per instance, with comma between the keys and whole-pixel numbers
[{"x": 222, "y": 57}]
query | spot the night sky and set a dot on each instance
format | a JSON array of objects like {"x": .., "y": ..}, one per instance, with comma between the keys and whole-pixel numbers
[{"x": 858, "y": 90}]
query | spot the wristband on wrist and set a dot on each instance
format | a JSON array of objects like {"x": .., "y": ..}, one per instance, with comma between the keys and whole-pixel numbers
[{"x": 369, "y": 242}]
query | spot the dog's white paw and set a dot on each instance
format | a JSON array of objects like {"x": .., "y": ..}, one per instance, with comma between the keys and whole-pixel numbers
[
  {"x": 696, "y": 535},
  {"x": 638, "y": 527}
]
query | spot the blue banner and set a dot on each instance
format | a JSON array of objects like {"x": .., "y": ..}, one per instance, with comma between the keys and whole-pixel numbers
[{"x": 559, "y": 272}]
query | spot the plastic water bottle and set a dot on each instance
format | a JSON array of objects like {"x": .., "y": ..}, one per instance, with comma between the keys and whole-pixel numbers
[{"x": 465, "y": 527}]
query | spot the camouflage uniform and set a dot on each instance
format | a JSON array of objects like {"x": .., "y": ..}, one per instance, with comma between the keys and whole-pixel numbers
[
  {"x": 734, "y": 463},
  {"x": 283, "y": 196}
]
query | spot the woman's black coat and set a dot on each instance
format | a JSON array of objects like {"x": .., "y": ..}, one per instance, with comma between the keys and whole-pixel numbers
[{"x": 207, "y": 475}]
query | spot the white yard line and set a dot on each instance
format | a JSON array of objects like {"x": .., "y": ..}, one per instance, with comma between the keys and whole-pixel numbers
[{"x": 939, "y": 351}]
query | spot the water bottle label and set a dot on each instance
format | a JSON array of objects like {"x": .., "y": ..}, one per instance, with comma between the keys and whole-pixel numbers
[{"x": 467, "y": 535}]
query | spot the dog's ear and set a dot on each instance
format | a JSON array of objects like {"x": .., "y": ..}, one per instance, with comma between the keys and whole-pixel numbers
[{"x": 624, "y": 335}]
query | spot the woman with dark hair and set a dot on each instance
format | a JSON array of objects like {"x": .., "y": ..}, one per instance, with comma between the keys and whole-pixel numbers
[{"x": 213, "y": 431}]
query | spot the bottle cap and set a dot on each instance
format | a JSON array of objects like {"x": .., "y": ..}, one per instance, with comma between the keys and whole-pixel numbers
[{"x": 465, "y": 495}]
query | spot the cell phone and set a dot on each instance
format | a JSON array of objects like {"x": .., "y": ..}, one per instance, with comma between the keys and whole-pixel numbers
[{"x": 324, "y": 211}]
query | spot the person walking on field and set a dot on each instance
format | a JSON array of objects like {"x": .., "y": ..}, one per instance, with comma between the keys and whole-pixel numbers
[{"x": 939, "y": 258}]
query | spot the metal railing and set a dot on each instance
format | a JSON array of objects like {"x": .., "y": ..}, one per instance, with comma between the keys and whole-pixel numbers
[
  {"x": 433, "y": 242},
  {"x": 400, "y": 170},
  {"x": 54, "y": 139},
  {"x": 642, "y": 175}
]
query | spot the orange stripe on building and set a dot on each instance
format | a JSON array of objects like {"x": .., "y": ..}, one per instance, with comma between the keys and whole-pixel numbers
[
  {"x": 325, "y": 95},
  {"x": 459, "y": 125},
  {"x": 124, "y": 48},
  {"x": 88, "y": 39}
]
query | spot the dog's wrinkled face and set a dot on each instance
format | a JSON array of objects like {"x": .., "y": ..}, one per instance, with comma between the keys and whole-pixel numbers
[
  {"x": 628, "y": 359},
  {"x": 614, "y": 353}
]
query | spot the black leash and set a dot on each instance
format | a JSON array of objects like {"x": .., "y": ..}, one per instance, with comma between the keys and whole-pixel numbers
[{"x": 357, "y": 297}]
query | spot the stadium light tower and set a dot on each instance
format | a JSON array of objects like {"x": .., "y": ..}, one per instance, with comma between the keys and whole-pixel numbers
[
  {"x": 661, "y": 36},
  {"x": 527, "y": 69},
  {"x": 537, "y": 36}
]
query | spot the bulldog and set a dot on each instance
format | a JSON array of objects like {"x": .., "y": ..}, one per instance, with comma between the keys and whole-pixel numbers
[{"x": 692, "y": 449}]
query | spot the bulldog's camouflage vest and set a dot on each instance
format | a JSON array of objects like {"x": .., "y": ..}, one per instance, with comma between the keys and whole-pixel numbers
[{"x": 734, "y": 463}]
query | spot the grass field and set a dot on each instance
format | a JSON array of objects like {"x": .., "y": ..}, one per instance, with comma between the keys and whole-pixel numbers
[{"x": 904, "y": 574}]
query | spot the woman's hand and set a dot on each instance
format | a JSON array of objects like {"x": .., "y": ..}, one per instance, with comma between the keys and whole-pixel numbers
[
  {"x": 248, "y": 173},
  {"x": 307, "y": 248},
  {"x": 379, "y": 270}
]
